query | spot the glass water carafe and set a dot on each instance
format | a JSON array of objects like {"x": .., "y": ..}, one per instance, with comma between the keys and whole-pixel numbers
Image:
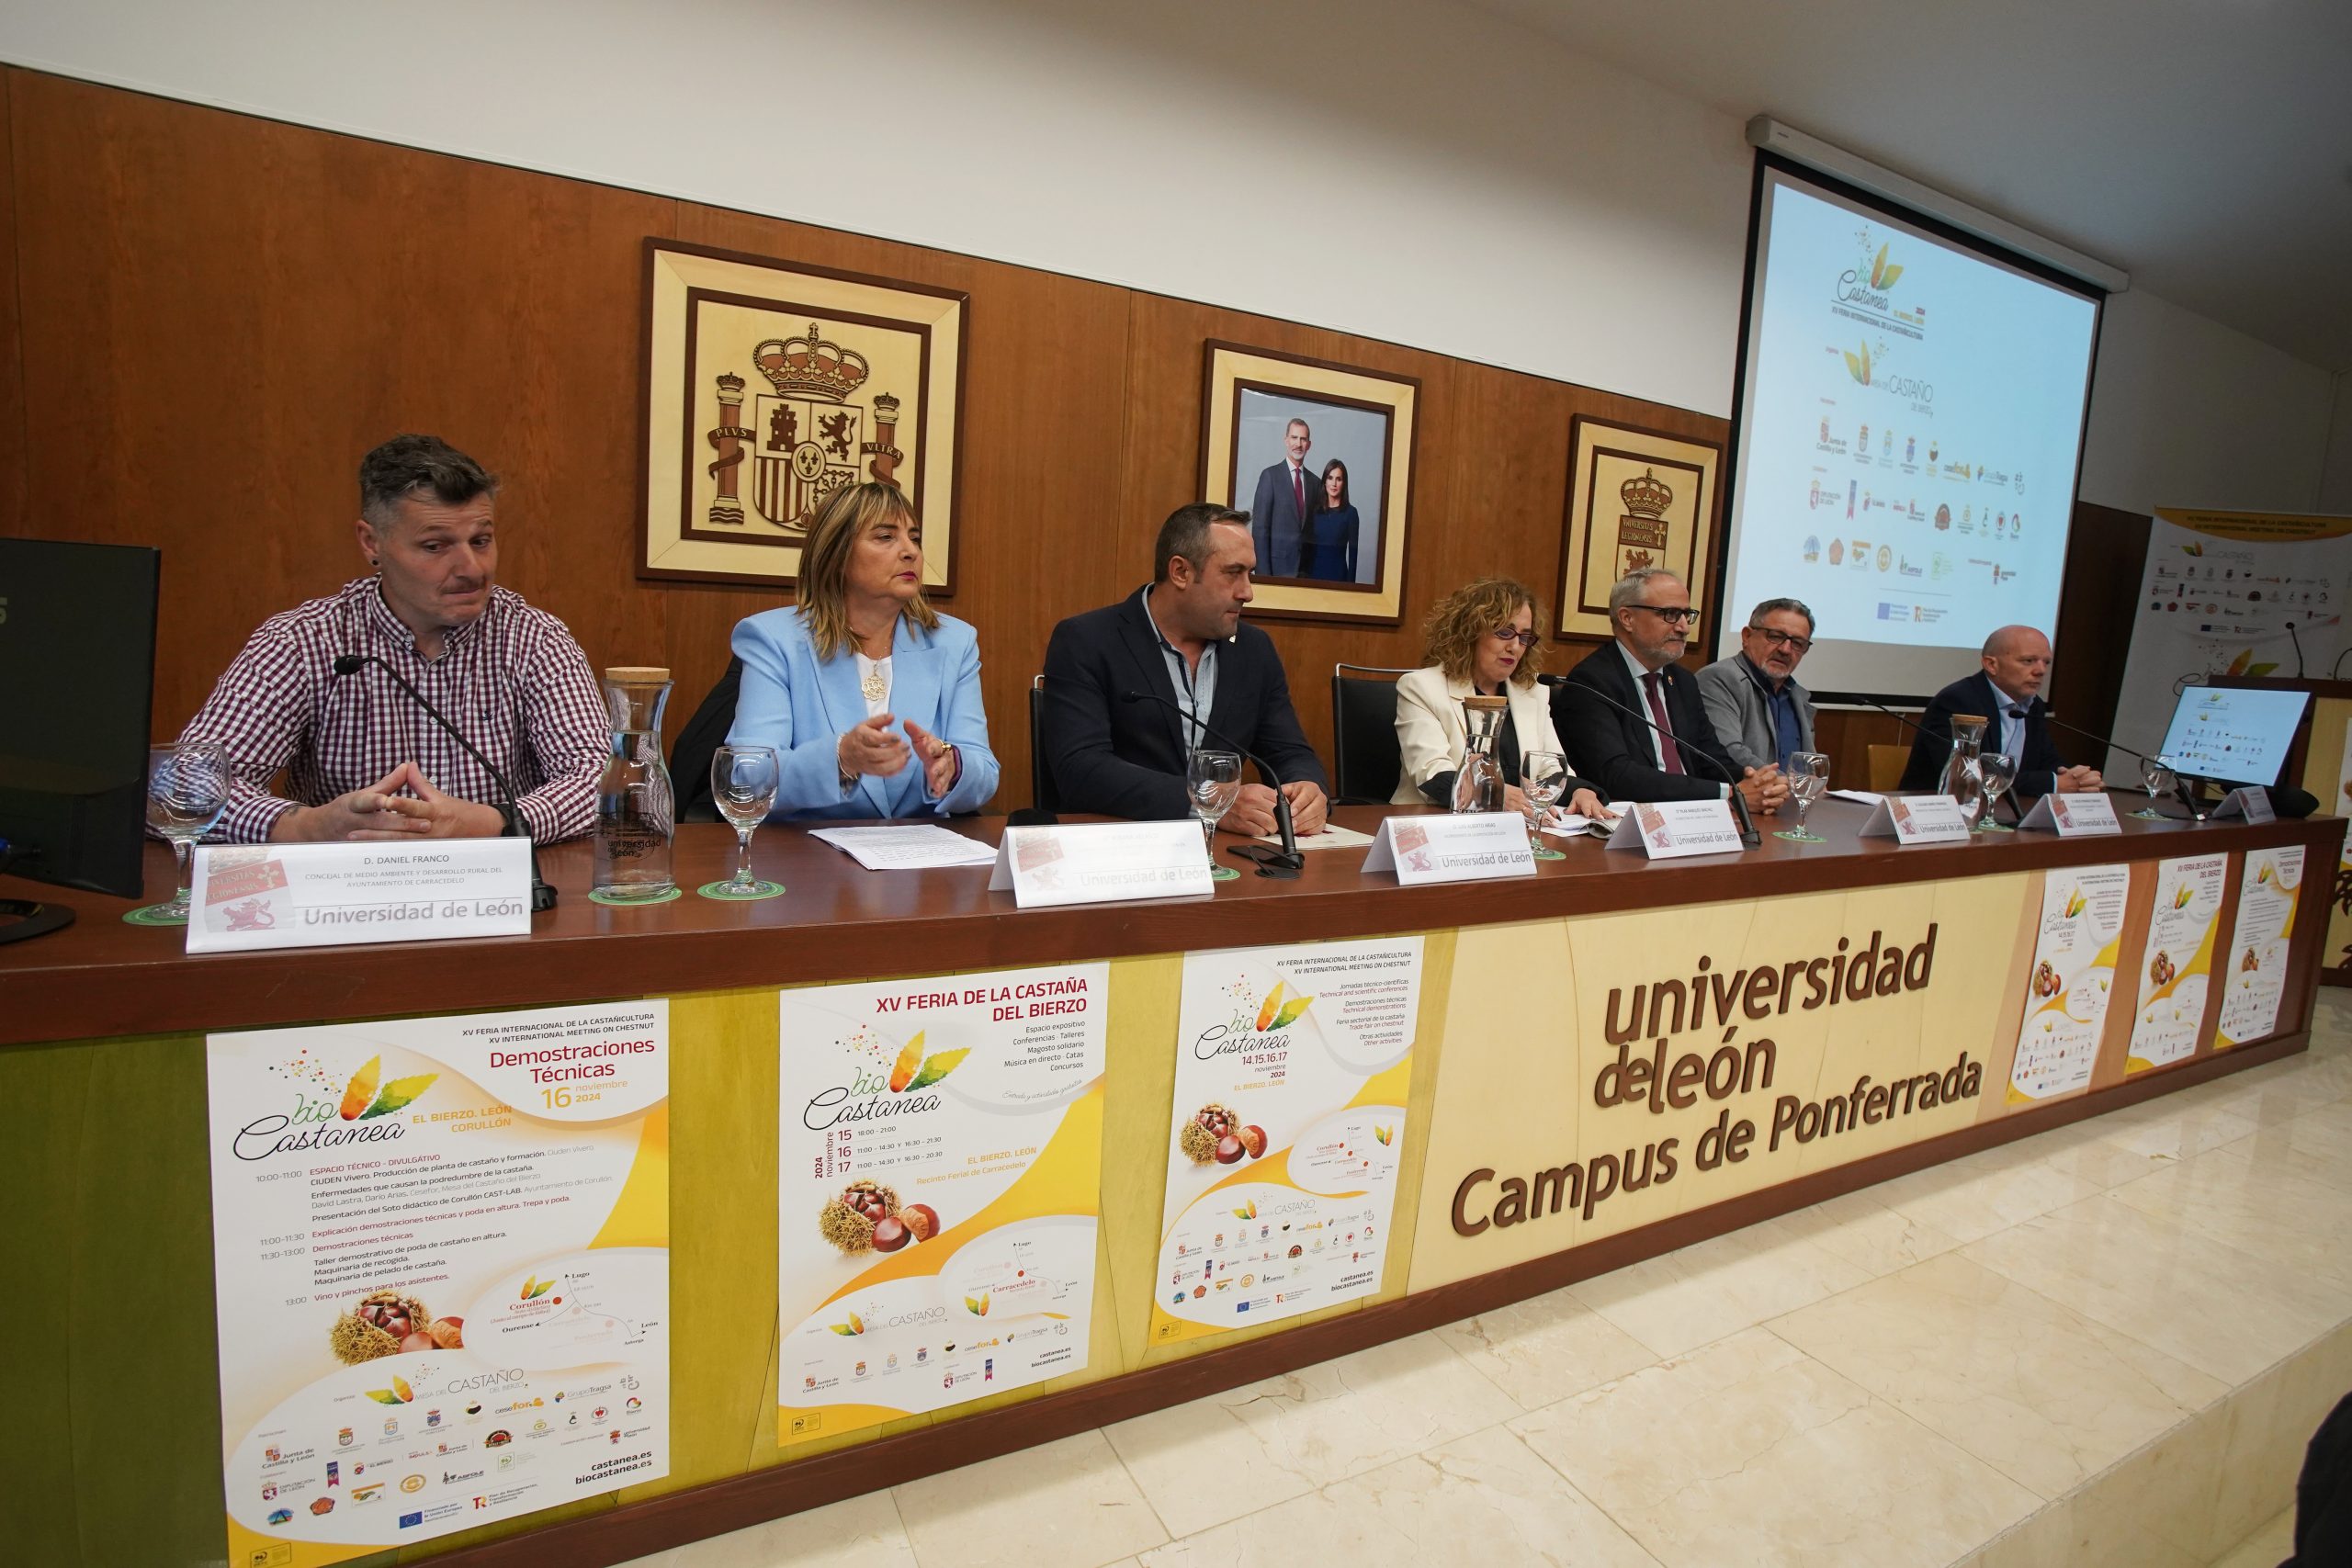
[
  {"x": 1962, "y": 780},
  {"x": 637, "y": 809},
  {"x": 1478, "y": 781}
]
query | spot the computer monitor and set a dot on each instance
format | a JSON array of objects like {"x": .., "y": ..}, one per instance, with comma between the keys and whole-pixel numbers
[
  {"x": 77, "y": 676},
  {"x": 2236, "y": 735}
]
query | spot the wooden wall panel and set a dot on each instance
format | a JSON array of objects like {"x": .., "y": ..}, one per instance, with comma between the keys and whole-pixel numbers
[{"x": 12, "y": 368}]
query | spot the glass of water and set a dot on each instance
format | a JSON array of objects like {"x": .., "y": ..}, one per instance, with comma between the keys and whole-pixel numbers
[
  {"x": 1543, "y": 778},
  {"x": 1808, "y": 776},
  {"x": 1213, "y": 780},
  {"x": 743, "y": 783},
  {"x": 187, "y": 791},
  {"x": 2155, "y": 773},
  {"x": 1999, "y": 770}
]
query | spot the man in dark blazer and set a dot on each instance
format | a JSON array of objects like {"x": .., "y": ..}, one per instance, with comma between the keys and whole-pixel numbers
[
  {"x": 2007, "y": 694},
  {"x": 1286, "y": 499},
  {"x": 1181, "y": 640},
  {"x": 1650, "y": 612}
]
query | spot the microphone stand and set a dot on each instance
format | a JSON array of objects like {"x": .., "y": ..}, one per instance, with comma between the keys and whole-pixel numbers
[
  {"x": 1283, "y": 864},
  {"x": 2180, "y": 780},
  {"x": 542, "y": 893},
  {"x": 1914, "y": 725},
  {"x": 1749, "y": 836}
]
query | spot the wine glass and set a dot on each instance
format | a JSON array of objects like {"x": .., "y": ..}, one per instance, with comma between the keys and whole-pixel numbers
[
  {"x": 187, "y": 791},
  {"x": 1808, "y": 777},
  {"x": 2155, "y": 773},
  {"x": 743, "y": 782},
  {"x": 1213, "y": 780},
  {"x": 1999, "y": 770},
  {"x": 1543, "y": 778}
]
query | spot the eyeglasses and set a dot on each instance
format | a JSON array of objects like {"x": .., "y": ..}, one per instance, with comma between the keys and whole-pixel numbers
[
  {"x": 1673, "y": 616},
  {"x": 1527, "y": 638},
  {"x": 1802, "y": 644}
]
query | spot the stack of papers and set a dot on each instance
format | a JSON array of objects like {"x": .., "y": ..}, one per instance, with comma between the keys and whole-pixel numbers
[
  {"x": 1332, "y": 837},
  {"x": 914, "y": 846},
  {"x": 1858, "y": 797}
]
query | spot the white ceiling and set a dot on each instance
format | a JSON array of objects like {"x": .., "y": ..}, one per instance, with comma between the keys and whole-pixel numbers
[{"x": 2204, "y": 146}]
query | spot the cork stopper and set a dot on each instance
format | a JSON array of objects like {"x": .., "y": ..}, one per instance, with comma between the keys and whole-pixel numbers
[
  {"x": 1480, "y": 703},
  {"x": 1970, "y": 718},
  {"x": 636, "y": 674}
]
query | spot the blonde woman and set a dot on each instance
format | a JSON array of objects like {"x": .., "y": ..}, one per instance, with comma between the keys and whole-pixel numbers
[
  {"x": 1479, "y": 638},
  {"x": 870, "y": 697}
]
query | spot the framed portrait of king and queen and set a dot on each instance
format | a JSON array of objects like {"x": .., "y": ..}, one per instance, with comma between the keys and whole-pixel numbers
[{"x": 770, "y": 385}]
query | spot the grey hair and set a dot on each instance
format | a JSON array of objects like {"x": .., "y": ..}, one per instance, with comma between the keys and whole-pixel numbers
[
  {"x": 1186, "y": 534},
  {"x": 1302, "y": 424},
  {"x": 1630, "y": 587},
  {"x": 418, "y": 465},
  {"x": 1794, "y": 606}
]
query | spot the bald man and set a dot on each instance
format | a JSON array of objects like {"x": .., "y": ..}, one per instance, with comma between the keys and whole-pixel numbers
[{"x": 2007, "y": 693}]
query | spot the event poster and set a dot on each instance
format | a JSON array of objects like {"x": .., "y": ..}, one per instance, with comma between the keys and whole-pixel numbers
[
  {"x": 2074, "y": 975},
  {"x": 2176, "y": 979},
  {"x": 1291, "y": 1071},
  {"x": 442, "y": 1252},
  {"x": 942, "y": 1154},
  {"x": 2255, "y": 975}
]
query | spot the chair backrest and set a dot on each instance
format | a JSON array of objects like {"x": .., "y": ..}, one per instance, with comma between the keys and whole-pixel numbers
[
  {"x": 1366, "y": 759},
  {"x": 1887, "y": 763},
  {"x": 1041, "y": 777},
  {"x": 704, "y": 734}
]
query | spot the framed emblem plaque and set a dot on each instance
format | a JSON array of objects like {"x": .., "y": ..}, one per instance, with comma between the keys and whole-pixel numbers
[
  {"x": 768, "y": 386},
  {"x": 1637, "y": 498}
]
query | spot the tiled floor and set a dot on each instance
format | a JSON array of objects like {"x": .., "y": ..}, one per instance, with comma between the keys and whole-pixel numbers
[{"x": 2046, "y": 1332}]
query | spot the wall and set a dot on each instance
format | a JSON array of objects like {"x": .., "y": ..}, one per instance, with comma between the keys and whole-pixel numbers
[{"x": 2335, "y": 484}]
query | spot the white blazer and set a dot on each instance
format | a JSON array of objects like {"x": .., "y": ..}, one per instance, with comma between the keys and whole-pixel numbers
[{"x": 1429, "y": 729}]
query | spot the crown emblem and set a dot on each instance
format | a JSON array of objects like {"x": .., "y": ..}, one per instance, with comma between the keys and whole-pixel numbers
[
  {"x": 1647, "y": 496},
  {"x": 810, "y": 366}
]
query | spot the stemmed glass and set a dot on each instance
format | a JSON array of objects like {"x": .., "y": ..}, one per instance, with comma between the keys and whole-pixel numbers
[
  {"x": 1543, "y": 778},
  {"x": 187, "y": 791},
  {"x": 1999, "y": 770},
  {"x": 743, "y": 782},
  {"x": 1212, "y": 781},
  {"x": 2155, "y": 773},
  {"x": 1808, "y": 776}
]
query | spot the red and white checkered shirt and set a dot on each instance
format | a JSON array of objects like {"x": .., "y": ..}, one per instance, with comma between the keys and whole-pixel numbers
[{"x": 512, "y": 681}]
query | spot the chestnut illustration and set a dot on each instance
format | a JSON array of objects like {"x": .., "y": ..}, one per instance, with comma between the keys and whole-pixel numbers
[
  {"x": 1228, "y": 1149},
  {"x": 922, "y": 1221},
  {"x": 1253, "y": 1139},
  {"x": 890, "y": 1233}
]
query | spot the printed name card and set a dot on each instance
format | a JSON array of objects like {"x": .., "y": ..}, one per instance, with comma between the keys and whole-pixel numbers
[
  {"x": 1917, "y": 819},
  {"x": 1669, "y": 829},
  {"x": 1454, "y": 846},
  {"x": 2251, "y": 802},
  {"x": 2074, "y": 816},
  {"x": 244, "y": 897},
  {"x": 1101, "y": 862}
]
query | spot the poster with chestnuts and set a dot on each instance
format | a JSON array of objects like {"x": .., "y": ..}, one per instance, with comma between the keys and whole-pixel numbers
[
  {"x": 2074, "y": 980},
  {"x": 2177, "y": 975},
  {"x": 2254, "y": 970},
  {"x": 1292, "y": 1068},
  {"x": 442, "y": 1260},
  {"x": 942, "y": 1148}
]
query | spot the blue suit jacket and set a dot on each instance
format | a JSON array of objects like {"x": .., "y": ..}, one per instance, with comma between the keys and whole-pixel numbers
[
  {"x": 1275, "y": 526},
  {"x": 801, "y": 704}
]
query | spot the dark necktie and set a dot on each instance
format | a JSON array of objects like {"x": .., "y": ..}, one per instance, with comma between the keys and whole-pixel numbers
[
  {"x": 1667, "y": 750},
  {"x": 1298, "y": 488}
]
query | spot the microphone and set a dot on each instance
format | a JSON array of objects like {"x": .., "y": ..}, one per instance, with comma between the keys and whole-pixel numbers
[
  {"x": 1284, "y": 862},
  {"x": 2299, "y": 650},
  {"x": 1747, "y": 833},
  {"x": 1923, "y": 730},
  {"x": 542, "y": 894},
  {"x": 2180, "y": 780}
]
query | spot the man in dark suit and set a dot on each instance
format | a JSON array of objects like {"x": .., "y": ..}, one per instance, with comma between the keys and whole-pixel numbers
[
  {"x": 1285, "y": 501},
  {"x": 1181, "y": 640},
  {"x": 2007, "y": 694},
  {"x": 1650, "y": 612}
]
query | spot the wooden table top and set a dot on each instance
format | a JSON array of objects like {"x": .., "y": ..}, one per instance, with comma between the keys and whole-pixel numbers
[{"x": 104, "y": 978}]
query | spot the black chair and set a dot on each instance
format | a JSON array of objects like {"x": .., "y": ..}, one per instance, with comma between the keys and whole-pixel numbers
[
  {"x": 704, "y": 734},
  {"x": 1042, "y": 796},
  {"x": 1363, "y": 734}
]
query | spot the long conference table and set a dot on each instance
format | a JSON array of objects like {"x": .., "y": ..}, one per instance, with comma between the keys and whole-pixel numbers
[{"x": 1544, "y": 1070}]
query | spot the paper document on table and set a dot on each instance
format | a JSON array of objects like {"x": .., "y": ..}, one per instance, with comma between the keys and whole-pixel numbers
[
  {"x": 1332, "y": 837},
  {"x": 913, "y": 846},
  {"x": 1570, "y": 825},
  {"x": 1858, "y": 797}
]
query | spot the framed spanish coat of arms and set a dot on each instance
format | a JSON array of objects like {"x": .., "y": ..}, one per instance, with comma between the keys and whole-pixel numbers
[
  {"x": 770, "y": 385},
  {"x": 1637, "y": 498}
]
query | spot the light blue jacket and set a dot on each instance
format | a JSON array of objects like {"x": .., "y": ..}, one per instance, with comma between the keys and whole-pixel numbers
[{"x": 801, "y": 704}]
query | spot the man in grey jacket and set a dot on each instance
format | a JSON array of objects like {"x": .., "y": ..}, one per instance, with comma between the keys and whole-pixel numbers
[{"x": 1754, "y": 703}]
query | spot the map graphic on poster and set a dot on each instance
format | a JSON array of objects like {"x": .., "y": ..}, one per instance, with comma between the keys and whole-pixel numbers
[
  {"x": 942, "y": 1154},
  {"x": 441, "y": 1251},
  {"x": 2253, "y": 972},
  {"x": 1291, "y": 1071},
  {"x": 2176, "y": 976},
  {"x": 2074, "y": 975}
]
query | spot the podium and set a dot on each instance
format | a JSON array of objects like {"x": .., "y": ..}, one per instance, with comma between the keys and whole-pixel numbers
[{"x": 2319, "y": 763}]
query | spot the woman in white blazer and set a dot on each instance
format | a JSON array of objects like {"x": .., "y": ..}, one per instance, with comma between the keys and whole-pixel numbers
[
  {"x": 1480, "y": 637},
  {"x": 870, "y": 697}
]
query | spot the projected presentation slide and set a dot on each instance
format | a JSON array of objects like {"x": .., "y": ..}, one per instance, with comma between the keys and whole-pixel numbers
[
  {"x": 2237, "y": 734},
  {"x": 1911, "y": 418}
]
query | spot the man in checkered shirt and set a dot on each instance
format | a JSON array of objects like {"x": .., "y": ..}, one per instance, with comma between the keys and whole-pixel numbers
[{"x": 361, "y": 760}]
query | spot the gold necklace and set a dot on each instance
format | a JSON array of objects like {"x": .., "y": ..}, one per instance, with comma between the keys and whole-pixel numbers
[{"x": 875, "y": 683}]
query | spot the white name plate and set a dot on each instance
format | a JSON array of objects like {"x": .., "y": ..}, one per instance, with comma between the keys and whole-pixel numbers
[
  {"x": 1669, "y": 829},
  {"x": 2074, "y": 816},
  {"x": 1452, "y": 846},
  {"x": 2252, "y": 802},
  {"x": 1102, "y": 862},
  {"x": 1917, "y": 819},
  {"x": 244, "y": 897}
]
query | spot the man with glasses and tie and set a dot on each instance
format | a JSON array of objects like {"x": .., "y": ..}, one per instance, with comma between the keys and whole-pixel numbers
[
  {"x": 1675, "y": 756},
  {"x": 2008, "y": 691},
  {"x": 1754, "y": 703}
]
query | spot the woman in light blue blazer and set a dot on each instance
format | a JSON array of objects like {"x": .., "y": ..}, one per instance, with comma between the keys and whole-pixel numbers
[{"x": 870, "y": 697}]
